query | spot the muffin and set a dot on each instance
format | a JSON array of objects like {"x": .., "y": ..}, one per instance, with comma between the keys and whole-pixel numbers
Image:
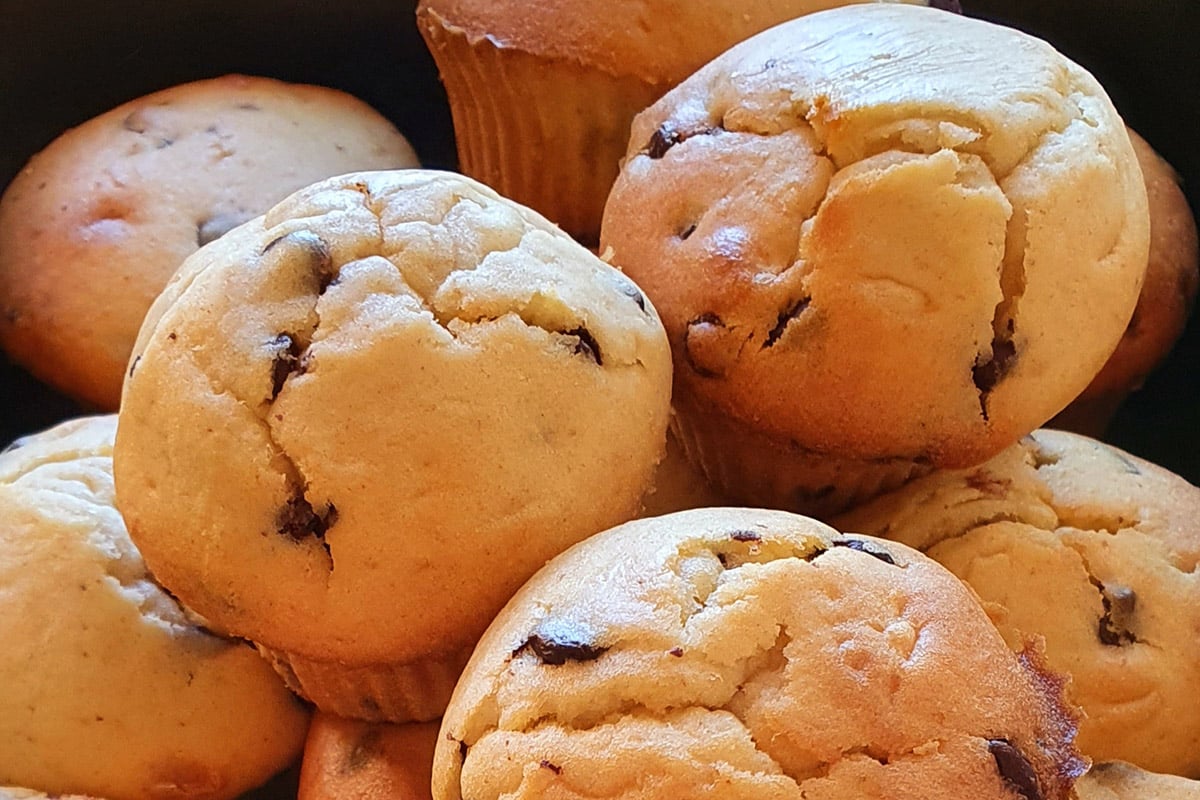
[
  {"x": 1168, "y": 294},
  {"x": 1116, "y": 780},
  {"x": 352, "y": 428},
  {"x": 1096, "y": 552},
  {"x": 107, "y": 687},
  {"x": 354, "y": 760},
  {"x": 746, "y": 653},
  {"x": 874, "y": 253},
  {"x": 542, "y": 94},
  {"x": 93, "y": 226}
]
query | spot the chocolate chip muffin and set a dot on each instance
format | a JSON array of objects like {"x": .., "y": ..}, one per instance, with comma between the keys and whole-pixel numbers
[
  {"x": 1168, "y": 294},
  {"x": 93, "y": 226},
  {"x": 1116, "y": 780},
  {"x": 107, "y": 687},
  {"x": 1093, "y": 550},
  {"x": 754, "y": 651},
  {"x": 354, "y": 427},
  {"x": 348, "y": 759},
  {"x": 875, "y": 252},
  {"x": 542, "y": 94}
]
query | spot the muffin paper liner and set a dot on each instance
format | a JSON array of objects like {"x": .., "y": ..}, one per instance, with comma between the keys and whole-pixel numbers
[
  {"x": 758, "y": 469},
  {"x": 397, "y": 692},
  {"x": 549, "y": 134}
]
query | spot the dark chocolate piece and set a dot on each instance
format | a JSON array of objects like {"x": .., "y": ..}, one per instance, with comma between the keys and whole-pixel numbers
[
  {"x": 297, "y": 520},
  {"x": 687, "y": 232},
  {"x": 1015, "y": 769},
  {"x": 796, "y": 309},
  {"x": 555, "y": 768},
  {"x": 632, "y": 292},
  {"x": 286, "y": 361},
  {"x": 986, "y": 374},
  {"x": 864, "y": 547},
  {"x": 666, "y": 137},
  {"x": 745, "y": 536},
  {"x": 1120, "y": 602},
  {"x": 587, "y": 344},
  {"x": 556, "y": 642}
]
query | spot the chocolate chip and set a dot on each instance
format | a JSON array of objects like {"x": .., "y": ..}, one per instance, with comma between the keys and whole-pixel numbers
[
  {"x": 285, "y": 362},
  {"x": 216, "y": 226},
  {"x": 667, "y": 137},
  {"x": 555, "y": 768},
  {"x": 687, "y": 232},
  {"x": 745, "y": 536},
  {"x": 365, "y": 750},
  {"x": 133, "y": 364},
  {"x": 558, "y": 642},
  {"x": 1120, "y": 602},
  {"x": 1015, "y": 769},
  {"x": 986, "y": 374},
  {"x": 947, "y": 5},
  {"x": 865, "y": 547},
  {"x": 297, "y": 520},
  {"x": 632, "y": 292},
  {"x": 676, "y": 651},
  {"x": 796, "y": 309},
  {"x": 587, "y": 344},
  {"x": 321, "y": 259}
]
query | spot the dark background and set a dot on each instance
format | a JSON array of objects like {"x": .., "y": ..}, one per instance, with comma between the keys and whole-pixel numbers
[{"x": 64, "y": 61}]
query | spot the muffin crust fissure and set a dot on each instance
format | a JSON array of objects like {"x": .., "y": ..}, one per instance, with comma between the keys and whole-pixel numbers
[
  {"x": 692, "y": 689},
  {"x": 750, "y": 179},
  {"x": 322, "y": 321}
]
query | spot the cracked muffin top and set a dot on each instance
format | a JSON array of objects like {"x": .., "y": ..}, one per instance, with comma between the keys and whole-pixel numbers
[
  {"x": 754, "y": 651},
  {"x": 94, "y": 225},
  {"x": 883, "y": 231},
  {"x": 353, "y": 427},
  {"x": 1093, "y": 550},
  {"x": 107, "y": 687}
]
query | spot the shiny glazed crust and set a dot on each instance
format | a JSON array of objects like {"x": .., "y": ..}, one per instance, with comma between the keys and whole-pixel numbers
[{"x": 865, "y": 238}]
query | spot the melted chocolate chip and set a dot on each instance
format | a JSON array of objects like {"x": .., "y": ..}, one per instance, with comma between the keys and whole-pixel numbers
[
  {"x": 555, "y": 768},
  {"x": 587, "y": 344},
  {"x": 687, "y": 232},
  {"x": 1015, "y": 769},
  {"x": 865, "y": 547},
  {"x": 286, "y": 361},
  {"x": 320, "y": 257},
  {"x": 632, "y": 292},
  {"x": 667, "y": 137},
  {"x": 558, "y": 642},
  {"x": 1120, "y": 602},
  {"x": 745, "y": 536},
  {"x": 781, "y": 323},
  {"x": 297, "y": 520},
  {"x": 986, "y": 374}
]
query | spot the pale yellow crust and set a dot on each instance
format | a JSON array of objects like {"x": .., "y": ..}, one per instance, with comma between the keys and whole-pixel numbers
[
  {"x": 355, "y": 426},
  {"x": 352, "y": 760},
  {"x": 1116, "y": 780},
  {"x": 1096, "y": 552},
  {"x": 107, "y": 687},
  {"x": 747, "y": 654},
  {"x": 847, "y": 220},
  {"x": 93, "y": 226}
]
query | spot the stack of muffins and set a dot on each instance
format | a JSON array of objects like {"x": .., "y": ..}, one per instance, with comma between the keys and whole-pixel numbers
[{"x": 391, "y": 428}]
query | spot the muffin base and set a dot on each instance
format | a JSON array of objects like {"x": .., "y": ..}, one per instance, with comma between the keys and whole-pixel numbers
[
  {"x": 401, "y": 692},
  {"x": 549, "y": 134},
  {"x": 759, "y": 469}
]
